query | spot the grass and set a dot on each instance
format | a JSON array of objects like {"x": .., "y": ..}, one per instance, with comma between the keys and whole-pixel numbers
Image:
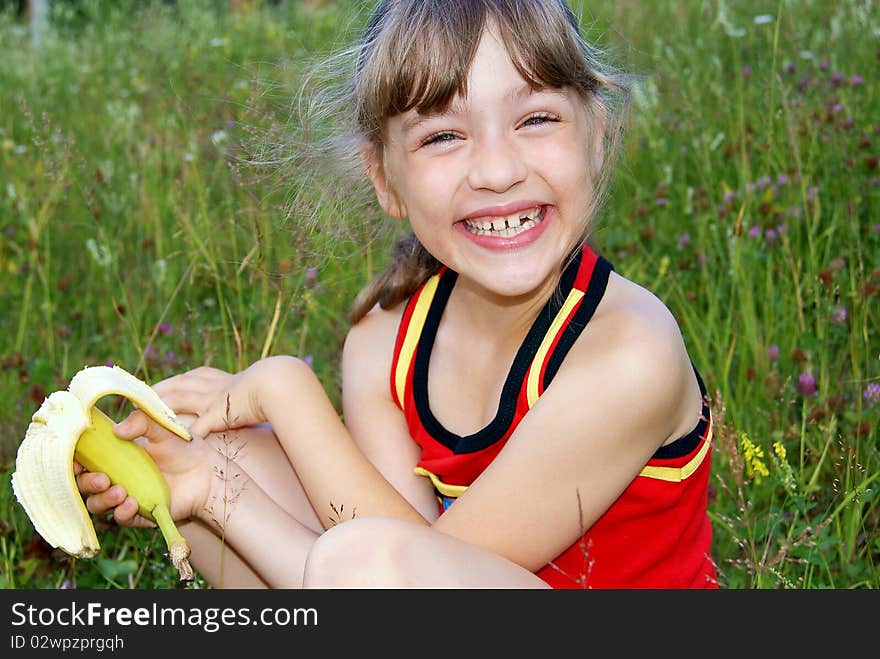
[{"x": 747, "y": 199}]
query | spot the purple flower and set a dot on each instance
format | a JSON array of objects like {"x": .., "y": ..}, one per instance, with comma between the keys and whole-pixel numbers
[
  {"x": 755, "y": 231},
  {"x": 771, "y": 236},
  {"x": 836, "y": 78},
  {"x": 230, "y": 123},
  {"x": 684, "y": 240},
  {"x": 747, "y": 71},
  {"x": 109, "y": 363},
  {"x": 825, "y": 64},
  {"x": 806, "y": 385},
  {"x": 782, "y": 180},
  {"x": 763, "y": 182},
  {"x": 165, "y": 328},
  {"x": 309, "y": 360},
  {"x": 728, "y": 196},
  {"x": 856, "y": 80},
  {"x": 790, "y": 68},
  {"x": 311, "y": 277},
  {"x": 871, "y": 394},
  {"x": 838, "y": 316},
  {"x": 772, "y": 352},
  {"x": 837, "y": 263},
  {"x": 661, "y": 201},
  {"x": 812, "y": 192},
  {"x": 876, "y": 228}
]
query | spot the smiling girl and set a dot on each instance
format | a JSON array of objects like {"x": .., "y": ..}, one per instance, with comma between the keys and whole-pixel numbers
[{"x": 517, "y": 414}]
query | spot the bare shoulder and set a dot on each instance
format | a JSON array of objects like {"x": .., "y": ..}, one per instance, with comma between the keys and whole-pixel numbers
[
  {"x": 635, "y": 345},
  {"x": 369, "y": 344}
]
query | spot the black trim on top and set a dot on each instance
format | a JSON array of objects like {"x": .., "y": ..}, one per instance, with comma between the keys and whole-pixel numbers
[
  {"x": 687, "y": 443},
  {"x": 592, "y": 297},
  {"x": 498, "y": 427}
]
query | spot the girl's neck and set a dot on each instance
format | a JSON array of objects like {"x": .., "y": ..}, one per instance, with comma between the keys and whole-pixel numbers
[{"x": 486, "y": 314}]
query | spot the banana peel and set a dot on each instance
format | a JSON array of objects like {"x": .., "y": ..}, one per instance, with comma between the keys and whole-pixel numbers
[{"x": 67, "y": 426}]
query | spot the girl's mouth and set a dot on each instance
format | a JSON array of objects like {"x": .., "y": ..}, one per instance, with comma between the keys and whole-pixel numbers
[{"x": 508, "y": 226}]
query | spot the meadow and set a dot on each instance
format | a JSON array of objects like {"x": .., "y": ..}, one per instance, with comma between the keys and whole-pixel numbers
[{"x": 148, "y": 219}]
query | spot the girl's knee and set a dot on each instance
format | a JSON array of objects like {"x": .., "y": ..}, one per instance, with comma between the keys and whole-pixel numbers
[{"x": 366, "y": 552}]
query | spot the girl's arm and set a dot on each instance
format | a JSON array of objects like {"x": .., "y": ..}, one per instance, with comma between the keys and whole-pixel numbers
[{"x": 373, "y": 419}]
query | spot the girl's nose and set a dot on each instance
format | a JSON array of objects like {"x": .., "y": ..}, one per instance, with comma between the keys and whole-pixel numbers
[{"x": 496, "y": 165}]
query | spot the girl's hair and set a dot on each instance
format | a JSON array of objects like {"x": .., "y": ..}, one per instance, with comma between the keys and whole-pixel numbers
[{"x": 416, "y": 54}]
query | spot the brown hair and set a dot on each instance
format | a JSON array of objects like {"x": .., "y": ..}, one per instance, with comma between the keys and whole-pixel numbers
[{"x": 416, "y": 54}]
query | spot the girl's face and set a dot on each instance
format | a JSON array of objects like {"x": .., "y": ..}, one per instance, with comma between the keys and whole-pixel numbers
[{"x": 497, "y": 187}]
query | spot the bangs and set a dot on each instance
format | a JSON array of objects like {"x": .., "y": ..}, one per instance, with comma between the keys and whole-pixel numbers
[{"x": 416, "y": 55}]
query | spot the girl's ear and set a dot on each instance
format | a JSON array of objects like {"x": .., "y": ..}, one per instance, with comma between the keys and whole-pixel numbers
[{"x": 385, "y": 194}]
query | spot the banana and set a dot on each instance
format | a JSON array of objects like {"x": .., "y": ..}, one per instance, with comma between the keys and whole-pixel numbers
[{"x": 69, "y": 425}]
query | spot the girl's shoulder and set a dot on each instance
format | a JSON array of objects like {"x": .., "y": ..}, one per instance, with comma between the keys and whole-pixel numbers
[
  {"x": 634, "y": 343},
  {"x": 369, "y": 343}
]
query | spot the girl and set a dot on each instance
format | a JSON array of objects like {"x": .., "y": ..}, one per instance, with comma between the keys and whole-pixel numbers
[{"x": 517, "y": 414}]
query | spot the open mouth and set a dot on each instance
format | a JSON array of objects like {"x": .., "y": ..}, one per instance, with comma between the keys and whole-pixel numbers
[{"x": 508, "y": 226}]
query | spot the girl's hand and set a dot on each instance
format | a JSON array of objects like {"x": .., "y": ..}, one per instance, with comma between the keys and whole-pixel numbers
[
  {"x": 223, "y": 401},
  {"x": 186, "y": 466}
]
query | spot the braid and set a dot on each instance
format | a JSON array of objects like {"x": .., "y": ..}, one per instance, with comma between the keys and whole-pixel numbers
[{"x": 411, "y": 264}]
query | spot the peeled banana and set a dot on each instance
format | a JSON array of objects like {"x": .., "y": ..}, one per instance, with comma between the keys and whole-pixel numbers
[{"x": 69, "y": 425}]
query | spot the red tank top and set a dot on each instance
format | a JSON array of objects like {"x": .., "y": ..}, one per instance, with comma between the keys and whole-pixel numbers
[{"x": 657, "y": 534}]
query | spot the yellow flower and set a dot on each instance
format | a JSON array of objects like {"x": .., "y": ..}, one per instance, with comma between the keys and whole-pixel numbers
[{"x": 753, "y": 458}]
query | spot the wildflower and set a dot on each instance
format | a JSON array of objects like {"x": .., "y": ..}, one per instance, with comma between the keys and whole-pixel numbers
[
  {"x": 728, "y": 197},
  {"x": 790, "y": 68},
  {"x": 782, "y": 180},
  {"x": 311, "y": 277},
  {"x": 747, "y": 71},
  {"x": 837, "y": 263},
  {"x": 309, "y": 360},
  {"x": 779, "y": 450},
  {"x": 661, "y": 201},
  {"x": 856, "y": 80},
  {"x": 836, "y": 78},
  {"x": 806, "y": 385},
  {"x": 165, "y": 328},
  {"x": 763, "y": 19},
  {"x": 838, "y": 316},
  {"x": 684, "y": 240},
  {"x": 871, "y": 394},
  {"x": 876, "y": 228},
  {"x": 109, "y": 363},
  {"x": 772, "y": 352},
  {"x": 763, "y": 182},
  {"x": 753, "y": 459},
  {"x": 771, "y": 236},
  {"x": 781, "y": 465},
  {"x": 825, "y": 64},
  {"x": 755, "y": 232},
  {"x": 812, "y": 192}
]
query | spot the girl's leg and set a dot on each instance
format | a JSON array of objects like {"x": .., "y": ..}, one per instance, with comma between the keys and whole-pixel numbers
[
  {"x": 257, "y": 451},
  {"x": 384, "y": 552}
]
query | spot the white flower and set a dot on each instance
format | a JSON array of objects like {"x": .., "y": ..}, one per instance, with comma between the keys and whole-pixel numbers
[{"x": 762, "y": 19}]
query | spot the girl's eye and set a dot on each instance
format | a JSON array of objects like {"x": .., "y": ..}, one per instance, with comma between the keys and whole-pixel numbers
[
  {"x": 438, "y": 138},
  {"x": 540, "y": 118}
]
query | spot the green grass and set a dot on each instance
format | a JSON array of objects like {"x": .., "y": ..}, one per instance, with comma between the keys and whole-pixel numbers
[{"x": 747, "y": 199}]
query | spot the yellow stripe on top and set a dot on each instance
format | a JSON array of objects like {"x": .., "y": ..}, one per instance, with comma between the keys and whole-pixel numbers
[
  {"x": 413, "y": 332},
  {"x": 678, "y": 474},
  {"x": 445, "y": 489},
  {"x": 574, "y": 296}
]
